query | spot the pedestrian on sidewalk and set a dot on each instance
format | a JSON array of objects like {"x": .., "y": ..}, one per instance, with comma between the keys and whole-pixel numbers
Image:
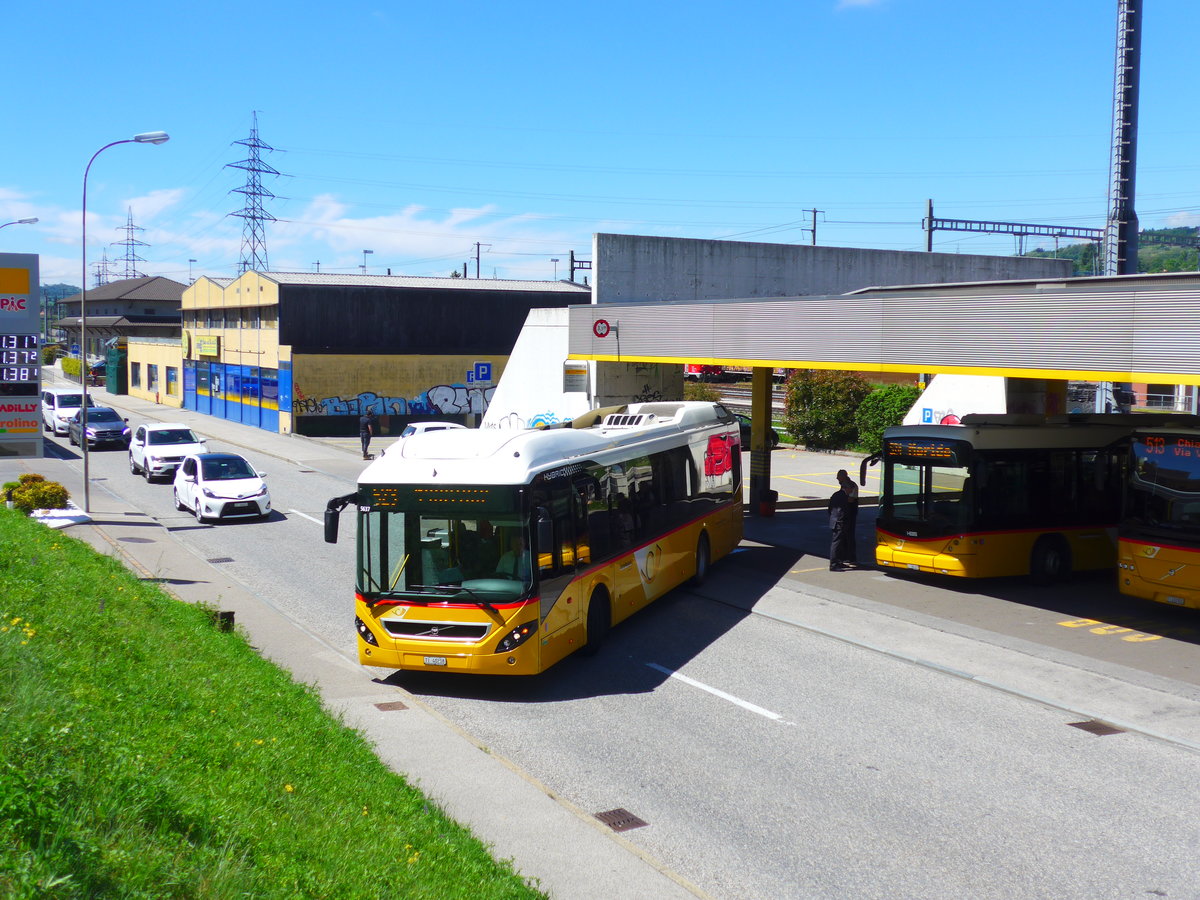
[
  {"x": 843, "y": 518},
  {"x": 366, "y": 430}
]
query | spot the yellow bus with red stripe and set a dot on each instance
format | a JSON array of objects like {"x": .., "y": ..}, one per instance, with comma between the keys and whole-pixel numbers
[
  {"x": 502, "y": 552},
  {"x": 1001, "y": 495}
]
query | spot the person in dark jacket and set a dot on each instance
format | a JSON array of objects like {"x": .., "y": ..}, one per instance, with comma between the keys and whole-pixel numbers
[
  {"x": 366, "y": 429},
  {"x": 843, "y": 517}
]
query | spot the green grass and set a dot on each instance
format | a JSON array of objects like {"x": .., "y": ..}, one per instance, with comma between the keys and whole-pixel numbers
[{"x": 145, "y": 753}]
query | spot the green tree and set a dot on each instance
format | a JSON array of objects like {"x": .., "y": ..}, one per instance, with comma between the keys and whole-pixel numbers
[
  {"x": 819, "y": 408},
  {"x": 886, "y": 406}
]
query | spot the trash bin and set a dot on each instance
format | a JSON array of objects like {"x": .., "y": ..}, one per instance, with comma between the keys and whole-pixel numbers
[{"x": 766, "y": 502}]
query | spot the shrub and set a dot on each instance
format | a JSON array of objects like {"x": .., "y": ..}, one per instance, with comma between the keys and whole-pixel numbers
[
  {"x": 71, "y": 366},
  {"x": 35, "y": 492},
  {"x": 886, "y": 406},
  {"x": 819, "y": 407},
  {"x": 698, "y": 390}
]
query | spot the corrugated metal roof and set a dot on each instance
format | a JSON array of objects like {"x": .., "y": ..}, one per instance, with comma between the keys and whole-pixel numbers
[{"x": 420, "y": 281}]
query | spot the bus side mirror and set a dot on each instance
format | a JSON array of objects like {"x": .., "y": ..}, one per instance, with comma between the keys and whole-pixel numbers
[
  {"x": 862, "y": 470},
  {"x": 333, "y": 511}
]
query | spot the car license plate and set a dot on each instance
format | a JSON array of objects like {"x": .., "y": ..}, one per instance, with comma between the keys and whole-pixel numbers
[{"x": 435, "y": 660}]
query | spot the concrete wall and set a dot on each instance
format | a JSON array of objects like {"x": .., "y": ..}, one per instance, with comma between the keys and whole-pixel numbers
[
  {"x": 330, "y": 391},
  {"x": 637, "y": 268}
]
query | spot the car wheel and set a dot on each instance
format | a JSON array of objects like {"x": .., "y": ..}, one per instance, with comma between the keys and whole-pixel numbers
[
  {"x": 133, "y": 467},
  {"x": 179, "y": 504},
  {"x": 146, "y": 474},
  {"x": 199, "y": 515},
  {"x": 1050, "y": 561}
]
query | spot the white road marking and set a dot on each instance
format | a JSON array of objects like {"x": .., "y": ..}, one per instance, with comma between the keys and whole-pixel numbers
[
  {"x": 310, "y": 518},
  {"x": 744, "y": 704}
]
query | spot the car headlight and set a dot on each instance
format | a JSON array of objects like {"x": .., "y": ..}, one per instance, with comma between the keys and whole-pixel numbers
[{"x": 208, "y": 493}]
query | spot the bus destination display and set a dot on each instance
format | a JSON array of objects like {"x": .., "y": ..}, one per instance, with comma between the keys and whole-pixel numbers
[
  {"x": 1171, "y": 445},
  {"x": 19, "y": 361},
  {"x": 932, "y": 450}
]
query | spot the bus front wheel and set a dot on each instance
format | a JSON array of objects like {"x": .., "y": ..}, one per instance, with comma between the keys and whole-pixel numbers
[
  {"x": 599, "y": 620},
  {"x": 1050, "y": 560}
]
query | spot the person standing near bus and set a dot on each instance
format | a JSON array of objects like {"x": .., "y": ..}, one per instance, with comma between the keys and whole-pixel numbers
[
  {"x": 843, "y": 519},
  {"x": 366, "y": 429}
]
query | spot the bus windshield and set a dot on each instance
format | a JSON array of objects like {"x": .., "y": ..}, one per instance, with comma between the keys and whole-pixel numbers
[
  {"x": 467, "y": 545},
  {"x": 1164, "y": 484},
  {"x": 927, "y": 495}
]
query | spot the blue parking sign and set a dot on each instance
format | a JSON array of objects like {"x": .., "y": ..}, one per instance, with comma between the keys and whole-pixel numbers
[
  {"x": 483, "y": 372},
  {"x": 926, "y": 416}
]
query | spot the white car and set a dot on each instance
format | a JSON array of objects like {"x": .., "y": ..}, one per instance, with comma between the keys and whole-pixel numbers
[
  {"x": 221, "y": 486},
  {"x": 422, "y": 428},
  {"x": 157, "y": 450},
  {"x": 59, "y": 406}
]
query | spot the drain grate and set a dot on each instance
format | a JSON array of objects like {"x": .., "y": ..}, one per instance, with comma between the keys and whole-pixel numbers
[
  {"x": 136, "y": 540},
  {"x": 220, "y": 559},
  {"x": 1097, "y": 728},
  {"x": 620, "y": 819},
  {"x": 128, "y": 513},
  {"x": 307, "y": 471},
  {"x": 391, "y": 706}
]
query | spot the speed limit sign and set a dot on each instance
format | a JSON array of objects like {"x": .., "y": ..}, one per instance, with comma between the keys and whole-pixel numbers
[{"x": 600, "y": 328}]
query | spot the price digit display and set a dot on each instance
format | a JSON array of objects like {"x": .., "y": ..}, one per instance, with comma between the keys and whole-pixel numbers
[{"x": 19, "y": 358}]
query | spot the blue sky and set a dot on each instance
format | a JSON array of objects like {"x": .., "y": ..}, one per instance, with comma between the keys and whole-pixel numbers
[{"x": 417, "y": 130}]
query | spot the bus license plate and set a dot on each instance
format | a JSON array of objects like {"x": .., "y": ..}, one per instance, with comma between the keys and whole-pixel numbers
[{"x": 435, "y": 660}]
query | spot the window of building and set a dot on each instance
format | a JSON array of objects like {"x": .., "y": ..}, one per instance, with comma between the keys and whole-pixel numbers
[
  {"x": 172, "y": 381},
  {"x": 151, "y": 377},
  {"x": 135, "y": 374}
]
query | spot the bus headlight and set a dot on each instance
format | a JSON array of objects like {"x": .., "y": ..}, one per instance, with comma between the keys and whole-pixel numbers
[
  {"x": 517, "y": 637},
  {"x": 364, "y": 632}
]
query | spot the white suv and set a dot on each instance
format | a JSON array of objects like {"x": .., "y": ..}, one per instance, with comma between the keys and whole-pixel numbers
[
  {"x": 156, "y": 451},
  {"x": 59, "y": 406}
]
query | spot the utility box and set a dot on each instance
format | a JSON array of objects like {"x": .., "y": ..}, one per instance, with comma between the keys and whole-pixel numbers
[{"x": 116, "y": 375}]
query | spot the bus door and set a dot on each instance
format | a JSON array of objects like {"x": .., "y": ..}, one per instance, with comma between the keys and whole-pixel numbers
[{"x": 554, "y": 511}]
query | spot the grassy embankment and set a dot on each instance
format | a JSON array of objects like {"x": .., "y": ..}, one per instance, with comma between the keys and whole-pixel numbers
[{"x": 145, "y": 753}]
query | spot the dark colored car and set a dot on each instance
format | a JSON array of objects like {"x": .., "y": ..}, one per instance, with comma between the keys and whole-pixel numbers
[
  {"x": 744, "y": 422},
  {"x": 104, "y": 426}
]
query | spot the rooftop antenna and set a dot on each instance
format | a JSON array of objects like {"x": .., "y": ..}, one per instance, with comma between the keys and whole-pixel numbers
[
  {"x": 131, "y": 244},
  {"x": 254, "y": 217}
]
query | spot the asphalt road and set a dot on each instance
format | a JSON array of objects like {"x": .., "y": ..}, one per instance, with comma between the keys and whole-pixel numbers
[{"x": 770, "y": 760}]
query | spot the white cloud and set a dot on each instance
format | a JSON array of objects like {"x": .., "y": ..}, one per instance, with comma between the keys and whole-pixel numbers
[
  {"x": 150, "y": 205},
  {"x": 1183, "y": 220}
]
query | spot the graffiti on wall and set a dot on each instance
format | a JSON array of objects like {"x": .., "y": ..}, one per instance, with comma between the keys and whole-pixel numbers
[
  {"x": 442, "y": 399},
  {"x": 516, "y": 422}
]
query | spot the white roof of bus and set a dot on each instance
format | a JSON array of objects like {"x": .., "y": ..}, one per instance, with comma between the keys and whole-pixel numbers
[
  {"x": 501, "y": 456},
  {"x": 1020, "y": 432}
]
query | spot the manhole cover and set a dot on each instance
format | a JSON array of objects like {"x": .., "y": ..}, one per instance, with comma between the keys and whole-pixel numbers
[
  {"x": 390, "y": 707},
  {"x": 620, "y": 819},
  {"x": 220, "y": 559},
  {"x": 1096, "y": 728}
]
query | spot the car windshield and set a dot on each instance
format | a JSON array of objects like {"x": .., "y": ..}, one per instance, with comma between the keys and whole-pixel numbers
[
  {"x": 103, "y": 415},
  {"x": 226, "y": 468},
  {"x": 70, "y": 401},
  {"x": 172, "y": 436}
]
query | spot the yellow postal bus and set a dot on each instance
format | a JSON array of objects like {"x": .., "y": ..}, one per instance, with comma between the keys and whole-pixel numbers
[
  {"x": 1159, "y": 546},
  {"x": 502, "y": 552},
  {"x": 1001, "y": 495}
]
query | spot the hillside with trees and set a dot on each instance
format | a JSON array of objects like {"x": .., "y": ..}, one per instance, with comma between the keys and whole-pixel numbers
[{"x": 1152, "y": 256}]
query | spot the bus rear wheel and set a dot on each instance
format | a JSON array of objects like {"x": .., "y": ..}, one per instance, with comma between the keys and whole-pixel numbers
[
  {"x": 1050, "y": 560},
  {"x": 599, "y": 621}
]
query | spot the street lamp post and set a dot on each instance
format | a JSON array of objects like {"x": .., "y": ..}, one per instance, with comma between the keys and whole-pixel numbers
[
  {"x": 555, "y": 261},
  {"x": 149, "y": 137},
  {"x": 364, "y": 267},
  {"x": 32, "y": 221},
  {"x": 190, "y": 261}
]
